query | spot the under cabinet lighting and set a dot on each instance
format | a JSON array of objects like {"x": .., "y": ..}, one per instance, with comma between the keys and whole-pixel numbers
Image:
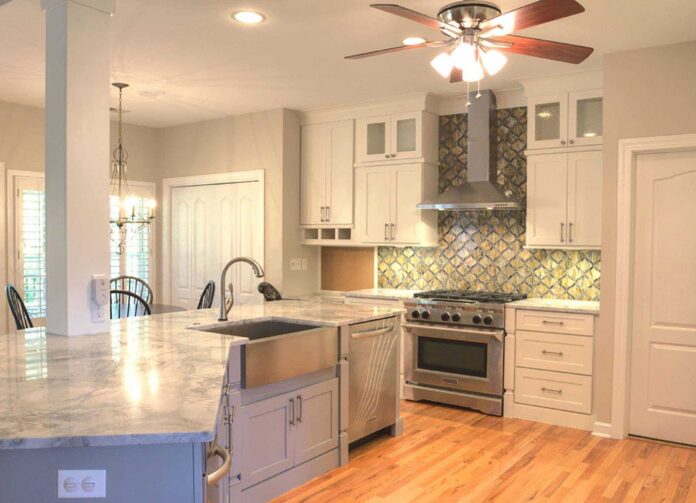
[{"x": 248, "y": 17}]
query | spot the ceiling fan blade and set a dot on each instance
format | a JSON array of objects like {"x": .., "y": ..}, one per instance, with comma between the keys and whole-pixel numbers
[
  {"x": 434, "y": 43},
  {"x": 412, "y": 15},
  {"x": 530, "y": 15},
  {"x": 456, "y": 75},
  {"x": 547, "y": 49}
]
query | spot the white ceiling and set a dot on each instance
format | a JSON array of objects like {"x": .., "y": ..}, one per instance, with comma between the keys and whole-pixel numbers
[{"x": 186, "y": 60}]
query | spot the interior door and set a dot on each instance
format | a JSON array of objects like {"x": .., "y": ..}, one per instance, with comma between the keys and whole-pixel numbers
[
  {"x": 313, "y": 173},
  {"x": 406, "y": 194},
  {"x": 373, "y": 198},
  {"x": 210, "y": 225},
  {"x": 663, "y": 338},
  {"x": 547, "y": 186},
  {"x": 339, "y": 175},
  {"x": 585, "y": 199}
]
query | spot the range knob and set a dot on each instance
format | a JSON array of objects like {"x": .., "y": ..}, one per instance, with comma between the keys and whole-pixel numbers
[
  {"x": 445, "y": 316},
  {"x": 488, "y": 320},
  {"x": 415, "y": 314},
  {"x": 476, "y": 319},
  {"x": 425, "y": 314},
  {"x": 456, "y": 317}
]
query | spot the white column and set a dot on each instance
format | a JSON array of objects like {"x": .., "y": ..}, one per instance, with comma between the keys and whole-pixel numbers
[{"x": 78, "y": 67}]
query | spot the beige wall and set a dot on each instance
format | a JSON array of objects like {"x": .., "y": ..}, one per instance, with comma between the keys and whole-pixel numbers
[
  {"x": 263, "y": 140},
  {"x": 648, "y": 92}
]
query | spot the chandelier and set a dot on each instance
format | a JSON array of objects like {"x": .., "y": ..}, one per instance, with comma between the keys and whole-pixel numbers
[{"x": 133, "y": 212}]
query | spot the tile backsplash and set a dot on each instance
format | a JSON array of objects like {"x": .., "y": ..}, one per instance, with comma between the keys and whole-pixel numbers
[{"x": 484, "y": 250}]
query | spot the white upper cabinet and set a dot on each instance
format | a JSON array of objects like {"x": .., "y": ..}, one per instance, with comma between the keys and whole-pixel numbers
[
  {"x": 384, "y": 138},
  {"x": 327, "y": 174},
  {"x": 565, "y": 120},
  {"x": 386, "y": 199},
  {"x": 564, "y": 200}
]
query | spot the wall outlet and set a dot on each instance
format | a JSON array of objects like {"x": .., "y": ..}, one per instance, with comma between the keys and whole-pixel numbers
[
  {"x": 81, "y": 484},
  {"x": 295, "y": 264},
  {"x": 98, "y": 313}
]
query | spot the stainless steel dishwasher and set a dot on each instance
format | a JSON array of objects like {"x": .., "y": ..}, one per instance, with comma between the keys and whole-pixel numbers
[{"x": 373, "y": 362}]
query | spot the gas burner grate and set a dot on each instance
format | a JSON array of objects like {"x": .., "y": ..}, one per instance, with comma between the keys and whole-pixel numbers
[{"x": 471, "y": 296}]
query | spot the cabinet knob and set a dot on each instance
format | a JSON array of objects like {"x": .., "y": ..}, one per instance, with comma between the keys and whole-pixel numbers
[
  {"x": 571, "y": 142},
  {"x": 563, "y": 142}
]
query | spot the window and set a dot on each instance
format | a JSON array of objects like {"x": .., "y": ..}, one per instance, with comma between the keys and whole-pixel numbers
[
  {"x": 134, "y": 259},
  {"x": 32, "y": 242}
]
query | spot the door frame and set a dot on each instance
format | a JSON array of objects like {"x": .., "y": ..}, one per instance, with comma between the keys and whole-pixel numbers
[
  {"x": 254, "y": 175},
  {"x": 629, "y": 150}
]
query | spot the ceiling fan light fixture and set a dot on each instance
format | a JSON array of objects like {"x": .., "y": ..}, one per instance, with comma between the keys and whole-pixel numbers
[
  {"x": 464, "y": 56},
  {"x": 248, "y": 17},
  {"x": 493, "y": 61},
  {"x": 472, "y": 73},
  {"x": 413, "y": 41},
  {"x": 443, "y": 64}
]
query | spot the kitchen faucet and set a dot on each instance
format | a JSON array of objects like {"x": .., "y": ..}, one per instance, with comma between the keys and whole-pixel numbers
[{"x": 258, "y": 271}]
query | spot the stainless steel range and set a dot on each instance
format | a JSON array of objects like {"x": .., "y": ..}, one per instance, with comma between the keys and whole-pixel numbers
[{"x": 454, "y": 348}]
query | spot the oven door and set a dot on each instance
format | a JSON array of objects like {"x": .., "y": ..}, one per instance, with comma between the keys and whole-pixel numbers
[{"x": 455, "y": 357}]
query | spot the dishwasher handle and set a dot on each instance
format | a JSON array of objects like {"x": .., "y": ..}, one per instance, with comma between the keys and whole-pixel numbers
[{"x": 371, "y": 333}]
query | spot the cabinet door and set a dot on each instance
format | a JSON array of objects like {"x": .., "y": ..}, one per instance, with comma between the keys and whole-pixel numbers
[
  {"x": 373, "y": 197},
  {"x": 339, "y": 176},
  {"x": 267, "y": 443},
  {"x": 585, "y": 199},
  {"x": 547, "y": 187},
  {"x": 406, "y": 193},
  {"x": 405, "y": 135},
  {"x": 317, "y": 420},
  {"x": 548, "y": 121},
  {"x": 373, "y": 139},
  {"x": 585, "y": 118},
  {"x": 313, "y": 173},
  {"x": 234, "y": 437}
]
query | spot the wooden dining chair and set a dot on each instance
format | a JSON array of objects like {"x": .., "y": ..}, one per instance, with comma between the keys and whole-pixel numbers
[
  {"x": 126, "y": 304},
  {"x": 133, "y": 285},
  {"x": 206, "y": 300},
  {"x": 19, "y": 310}
]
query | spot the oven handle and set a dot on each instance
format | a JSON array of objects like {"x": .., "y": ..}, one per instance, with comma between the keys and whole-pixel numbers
[{"x": 496, "y": 334}]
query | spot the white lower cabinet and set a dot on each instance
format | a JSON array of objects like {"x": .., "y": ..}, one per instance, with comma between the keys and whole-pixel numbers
[
  {"x": 386, "y": 199},
  {"x": 287, "y": 430}
]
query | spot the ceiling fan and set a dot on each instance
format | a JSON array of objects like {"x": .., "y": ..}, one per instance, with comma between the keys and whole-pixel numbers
[{"x": 478, "y": 34}]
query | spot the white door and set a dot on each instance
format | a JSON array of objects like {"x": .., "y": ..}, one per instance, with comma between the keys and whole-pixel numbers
[
  {"x": 406, "y": 194},
  {"x": 339, "y": 174},
  {"x": 373, "y": 201},
  {"x": 317, "y": 420},
  {"x": 313, "y": 173},
  {"x": 547, "y": 186},
  {"x": 585, "y": 199},
  {"x": 211, "y": 224},
  {"x": 663, "y": 339}
]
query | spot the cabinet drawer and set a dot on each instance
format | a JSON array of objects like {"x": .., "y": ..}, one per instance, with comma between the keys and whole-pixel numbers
[
  {"x": 563, "y": 353},
  {"x": 554, "y": 390},
  {"x": 555, "y": 322}
]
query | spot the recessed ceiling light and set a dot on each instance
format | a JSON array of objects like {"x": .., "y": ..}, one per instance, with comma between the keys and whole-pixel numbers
[
  {"x": 413, "y": 40},
  {"x": 248, "y": 17}
]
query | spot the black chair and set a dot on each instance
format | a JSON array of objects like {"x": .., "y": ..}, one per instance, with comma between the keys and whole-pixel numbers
[
  {"x": 206, "y": 300},
  {"x": 125, "y": 304},
  {"x": 133, "y": 285},
  {"x": 19, "y": 310}
]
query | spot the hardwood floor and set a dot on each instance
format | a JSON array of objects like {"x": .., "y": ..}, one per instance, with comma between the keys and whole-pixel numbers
[{"x": 449, "y": 454}]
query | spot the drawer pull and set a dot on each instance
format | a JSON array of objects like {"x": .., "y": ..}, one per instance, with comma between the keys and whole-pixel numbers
[
  {"x": 551, "y": 390},
  {"x": 549, "y": 322},
  {"x": 556, "y": 353}
]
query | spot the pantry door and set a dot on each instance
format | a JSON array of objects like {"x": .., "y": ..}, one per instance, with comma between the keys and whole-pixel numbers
[
  {"x": 211, "y": 224},
  {"x": 663, "y": 339}
]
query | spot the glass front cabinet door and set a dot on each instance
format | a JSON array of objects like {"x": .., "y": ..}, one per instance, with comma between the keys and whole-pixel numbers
[
  {"x": 585, "y": 118},
  {"x": 373, "y": 139},
  {"x": 548, "y": 121},
  {"x": 388, "y": 137}
]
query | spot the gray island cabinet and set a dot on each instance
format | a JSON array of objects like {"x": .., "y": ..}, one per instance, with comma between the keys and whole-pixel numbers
[{"x": 170, "y": 412}]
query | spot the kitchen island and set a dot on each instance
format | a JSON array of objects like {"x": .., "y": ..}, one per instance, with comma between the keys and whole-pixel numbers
[{"x": 147, "y": 402}]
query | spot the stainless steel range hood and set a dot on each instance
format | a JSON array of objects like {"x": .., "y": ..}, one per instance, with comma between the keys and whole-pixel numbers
[{"x": 480, "y": 190}]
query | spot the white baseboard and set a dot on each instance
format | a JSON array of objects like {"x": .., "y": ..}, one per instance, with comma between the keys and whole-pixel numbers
[{"x": 601, "y": 429}]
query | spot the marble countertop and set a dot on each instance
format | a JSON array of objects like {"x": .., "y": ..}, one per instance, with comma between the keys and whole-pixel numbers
[
  {"x": 568, "y": 306},
  {"x": 150, "y": 380},
  {"x": 382, "y": 293}
]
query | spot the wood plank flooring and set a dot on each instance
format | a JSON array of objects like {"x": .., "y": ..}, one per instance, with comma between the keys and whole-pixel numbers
[{"x": 449, "y": 454}]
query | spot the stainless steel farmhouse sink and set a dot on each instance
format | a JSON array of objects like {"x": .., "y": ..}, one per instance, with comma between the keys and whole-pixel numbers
[{"x": 279, "y": 350}]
